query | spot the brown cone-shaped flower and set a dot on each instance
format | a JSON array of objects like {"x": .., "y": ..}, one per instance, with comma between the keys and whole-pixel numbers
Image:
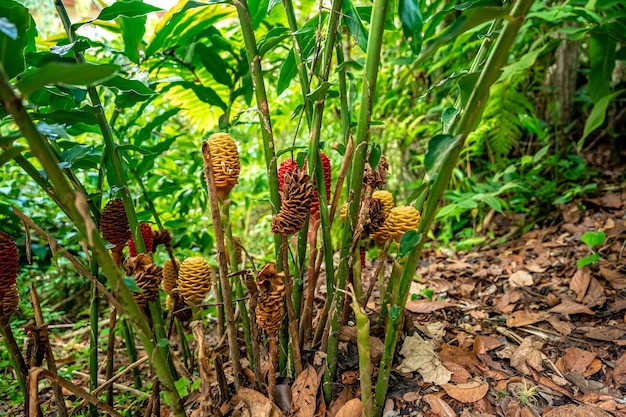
[
  {"x": 269, "y": 310},
  {"x": 402, "y": 219},
  {"x": 194, "y": 280},
  {"x": 147, "y": 275},
  {"x": 170, "y": 275},
  {"x": 9, "y": 260},
  {"x": 177, "y": 306},
  {"x": 161, "y": 237},
  {"x": 9, "y": 301},
  {"x": 378, "y": 177},
  {"x": 114, "y": 223},
  {"x": 225, "y": 159},
  {"x": 146, "y": 233},
  {"x": 295, "y": 203},
  {"x": 376, "y": 218}
]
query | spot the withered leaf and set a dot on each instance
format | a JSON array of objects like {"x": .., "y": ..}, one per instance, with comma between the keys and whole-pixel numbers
[
  {"x": 438, "y": 406},
  {"x": 304, "y": 392},
  {"x": 483, "y": 344},
  {"x": 595, "y": 294},
  {"x": 576, "y": 359},
  {"x": 615, "y": 278},
  {"x": 580, "y": 283},
  {"x": 352, "y": 408},
  {"x": 571, "y": 307},
  {"x": 426, "y": 306},
  {"x": 608, "y": 334},
  {"x": 467, "y": 393},
  {"x": 572, "y": 410},
  {"x": 528, "y": 354},
  {"x": 619, "y": 372},
  {"x": 521, "y": 279},
  {"x": 524, "y": 318},
  {"x": 419, "y": 355},
  {"x": 251, "y": 403}
]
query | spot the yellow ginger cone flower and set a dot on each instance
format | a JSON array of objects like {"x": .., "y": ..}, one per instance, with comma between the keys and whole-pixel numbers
[
  {"x": 269, "y": 310},
  {"x": 386, "y": 198},
  {"x": 225, "y": 158},
  {"x": 194, "y": 280},
  {"x": 169, "y": 303},
  {"x": 170, "y": 275},
  {"x": 402, "y": 219},
  {"x": 9, "y": 301}
]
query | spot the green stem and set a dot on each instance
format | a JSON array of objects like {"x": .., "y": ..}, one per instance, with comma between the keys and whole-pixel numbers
[
  {"x": 374, "y": 45},
  {"x": 254, "y": 60},
  {"x": 15, "y": 355},
  {"x": 183, "y": 343},
  {"x": 478, "y": 96},
  {"x": 93, "y": 345},
  {"x": 129, "y": 339}
]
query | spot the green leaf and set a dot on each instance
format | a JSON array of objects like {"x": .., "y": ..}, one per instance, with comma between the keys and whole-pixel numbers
[
  {"x": 596, "y": 117},
  {"x": 126, "y": 85},
  {"x": 288, "y": 71},
  {"x": 394, "y": 313},
  {"x": 408, "y": 242},
  {"x": 353, "y": 21},
  {"x": 163, "y": 343},
  {"x": 447, "y": 210},
  {"x": 411, "y": 18},
  {"x": 204, "y": 93},
  {"x": 214, "y": 63},
  {"x": 593, "y": 239},
  {"x": 8, "y": 28},
  {"x": 131, "y": 284},
  {"x": 181, "y": 386},
  {"x": 587, "y": 260},
  {"x": 320, "y": 92},
  {"x": 17, "y": 35},
  {"x": 133, "y": 29},
  {"x": 128, "y": 8},
  {"x": 602, "y": 62},
  {"x": 271, "y": 5},
  {"x": 272, "y": 38},
  {"x": 64, "y": 74},
  {"x": 447, "y": 117},
  {"x": 439, "y": 147},
  {"x": 490, "y": 200},
  {"x": 289, "y": 150},
  {"x": 375, "y": 154}
]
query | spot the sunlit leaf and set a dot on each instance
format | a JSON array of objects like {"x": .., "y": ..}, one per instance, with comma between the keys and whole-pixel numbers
[
  {"x": 602, "y": 62},
  {"x": 64, "y": 74},
  {"x": 353, "y": 21},
  {"x": 128, "y": 8},
  {"x": 411, "y": 18}
]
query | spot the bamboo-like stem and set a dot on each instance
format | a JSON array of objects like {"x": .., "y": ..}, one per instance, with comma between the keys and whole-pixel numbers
[
  {"x": 93, "y": 342},
  {"x": 365, "y": 363},
  {"x": 253, "y": 291},
  {"x": 343, "y": 93},
  {"x": 238, "y": 285},
  {"x": 271, "y": 375},
  {"x": 131, "y": 350},
  {"x": 382, "y": 255},
  {"x": 300, "y": 63},
  {"x": 110, "y": 148},
  {"x": 377, "y": 25},
  {"x": 254, "y": 60},
  {"x": 110, "y": 355},
  {"x": 15, "y": 355},
  {"x": 489, "y": 75},
  {"x": 183, "y": 342},
  {"x": 231, "y": 327},
  {"x": 39, "y": 321},
  {"x": 291, "y": 316}
]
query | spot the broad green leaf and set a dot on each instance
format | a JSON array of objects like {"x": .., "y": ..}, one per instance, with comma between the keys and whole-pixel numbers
[
  {"x": 602, "y": 62},
  {"x": 447, "y": 210},
  {"x": 408, "y": 242},
  {"x": 490, "y": 200},
  {"x": 204, "y": 93},
  {"x": 133, "y": 29},
  {"x": 163, "y": 343},
  {"x": 596, "y": 117},
  {"x": 131, "y": 284},
  {"x": 146, "y": 131},
  {"x": 126, "y": 85},
  {"x": 68, "y": 117},
  {"x": 129, "y": 8},
  {"x": 466, "y": 86},
  {"x": 375, "y": 154},
  {"x": 273, "y": 38},
  {"x": 447, "y": 117},
  {"x": 289, "y": 150},
  {"x": 353, "y": 21},
  {"x": 271, "y": 5},
  {"x": 523, "y": 63},
  {"x": 258, "y": 11},
  {"x": 64, "y": 74},
  {"x": 62, "y": 50},
  {"x": 593, "y": 239},
  {"x": 467, "y": 204},
  {"x": 8, "y": 28},
  {"x": 439, "y": 147},
  {"x": 214, "y": 63},
  {"x": 17, "y": 36},
  {"x": 181, "y": 386},
  {"x": 320, "y": 92},
  {"x": 587, "y": 260},
  {"x": 288, "y": 71},
  {"x": 411, "y": 18}
]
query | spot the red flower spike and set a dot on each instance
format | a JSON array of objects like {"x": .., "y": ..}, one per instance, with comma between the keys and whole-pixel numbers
[
  {"x": 146, "y": 233},
  {"x": 8, "y": 262},
  {"x": 288, "y": 165},
  {"x": 362, "y": 253}
]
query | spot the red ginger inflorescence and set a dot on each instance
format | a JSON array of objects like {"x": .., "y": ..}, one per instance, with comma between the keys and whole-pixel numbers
[
  {"x": 290, "y": 165},
  {"x": 148, "y": 239},
  {"x": 8, "y": 262}
]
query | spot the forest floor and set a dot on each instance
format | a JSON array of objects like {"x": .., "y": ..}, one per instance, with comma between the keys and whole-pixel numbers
[{"x": 513, "y": 328}]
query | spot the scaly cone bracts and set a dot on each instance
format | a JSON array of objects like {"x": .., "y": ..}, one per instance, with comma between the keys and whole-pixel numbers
[
  {"x": 295, "y": 203},
  {"x": 225, "y": 158},
  {"x": 194, "y": 280},
  {"x": 269, "y": 310},
  {"x": 9, "y": 301},
  {"x": 148, "y": 239},
  {"x": 290, "y": 165},
  {"x": 114, "y": 223},
  {"x": 378, "y": 177},
  {"x": 402, "y": 219},
  {"x": 8, "y": 262},
  {"x": 170, "y": 275},
  {"x": 147, "y": 275}
]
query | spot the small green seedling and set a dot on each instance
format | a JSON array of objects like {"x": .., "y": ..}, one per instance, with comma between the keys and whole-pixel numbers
[{"x": 591, "y": 239}]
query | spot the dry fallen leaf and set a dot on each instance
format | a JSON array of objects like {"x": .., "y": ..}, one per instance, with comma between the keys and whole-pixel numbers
[
  {"x": 576, "y": 359},
  {"x": 304, "y": 391},
  {"x": 451, "y": 353},
  {"x": 438, "y": 406},
  {"x": 483, "y": 344},
  {"x": 580, "y": 283},
  {"x": 572, "y": 410},
  {"x": 524, "y": 318},
  {"x": 352, "y": 408},
  {"x": 619, "y": 372},
  {"x": 607, "y": 334},
  {"x": 528, "y": 354},
  {"x": 419, "y": 355},
  {"x": 460, "y": 375},
  {"x": 521, "y": 279},
  {"x": 595, "y": 294},
  {"x": 251, "y": 403},
  {"x": 563, "y": 327},
  {"x": 467, "y": 393},
  {"x": 426, "y": 306},
  {"x": 571, "y": 307},
  {"x": 615, "y": 278}
]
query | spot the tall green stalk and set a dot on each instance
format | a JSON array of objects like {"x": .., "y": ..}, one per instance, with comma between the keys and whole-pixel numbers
[
  {"x": 374, "y": 45},
  {"x": 471, "y": 112},
  {"x": 78, "y": 209}
]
